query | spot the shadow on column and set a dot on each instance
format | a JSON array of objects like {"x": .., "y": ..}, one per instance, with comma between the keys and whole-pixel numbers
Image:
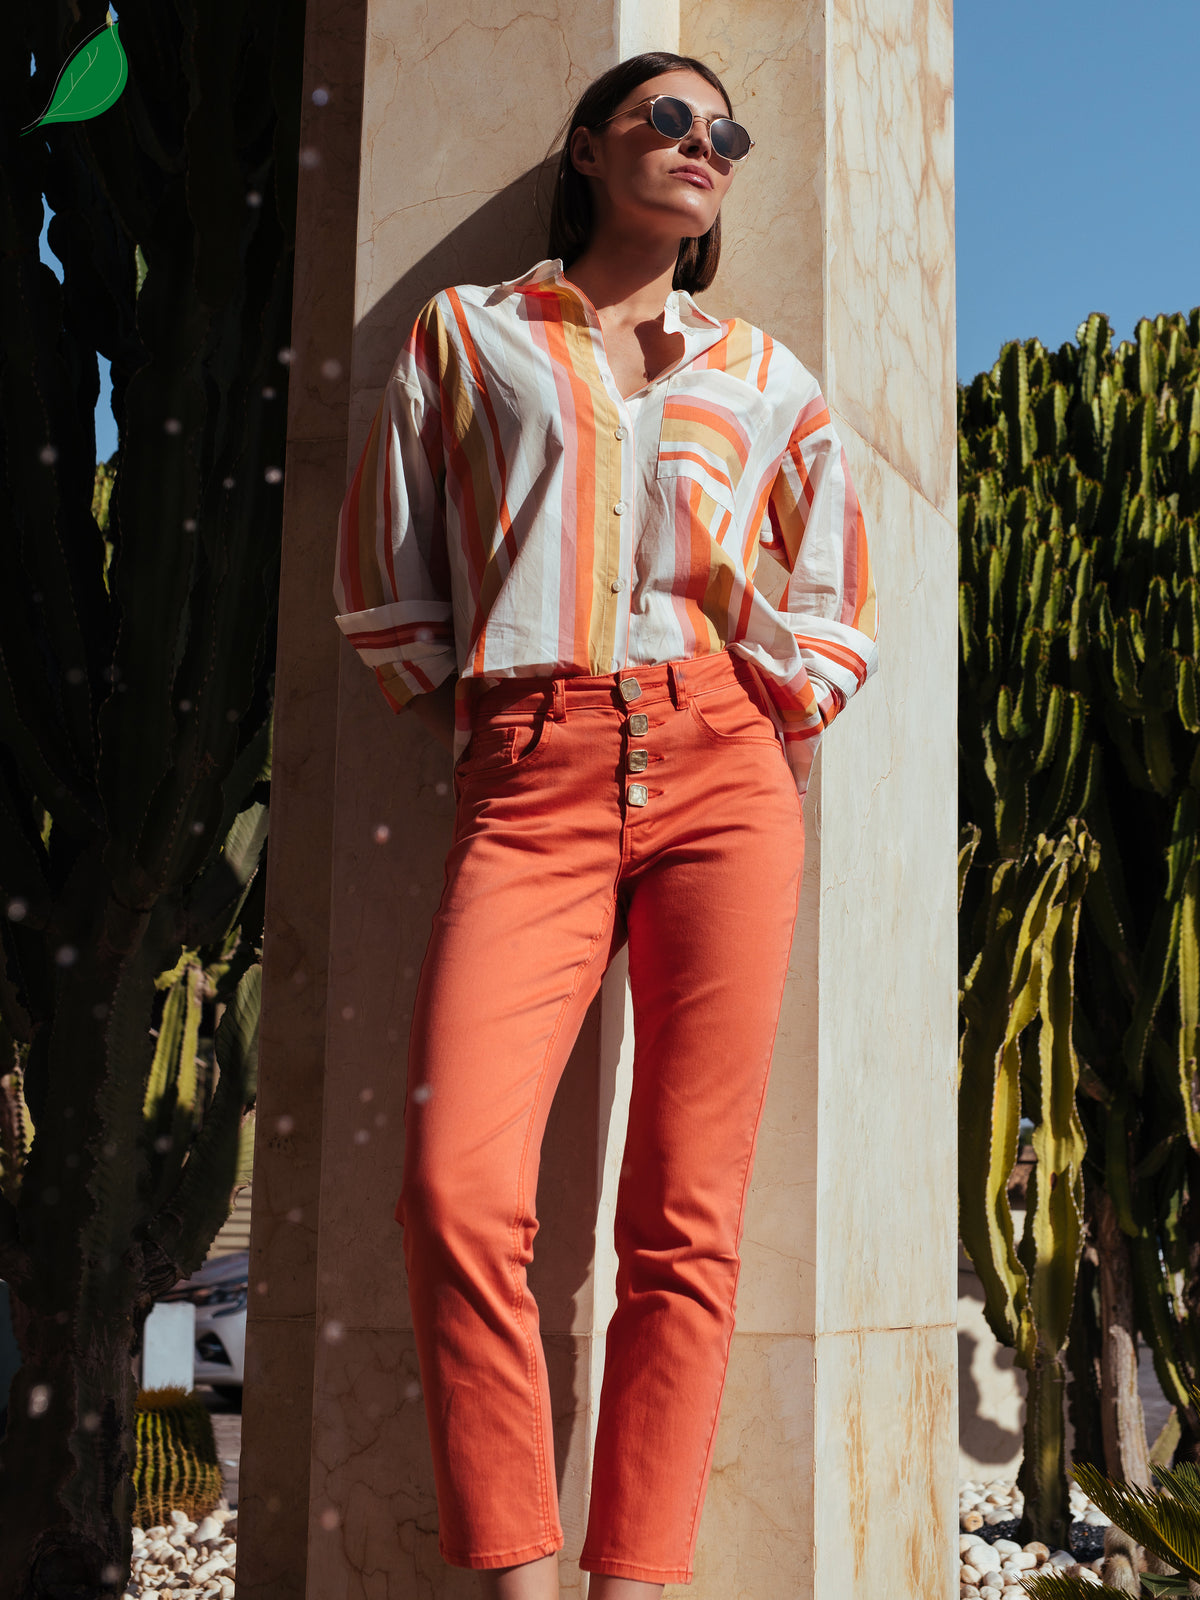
[{"x": 500, "y": 241}]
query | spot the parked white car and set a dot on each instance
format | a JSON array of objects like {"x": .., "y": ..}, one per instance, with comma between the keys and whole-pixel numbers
[{"x": 219, "y": 1292}]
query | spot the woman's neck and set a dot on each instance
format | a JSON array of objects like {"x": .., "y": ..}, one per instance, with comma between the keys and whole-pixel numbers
[{"x": 628, "y": 277}]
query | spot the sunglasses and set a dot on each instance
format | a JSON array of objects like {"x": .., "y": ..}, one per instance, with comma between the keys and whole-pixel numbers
[{"x": 673, "y": 118}]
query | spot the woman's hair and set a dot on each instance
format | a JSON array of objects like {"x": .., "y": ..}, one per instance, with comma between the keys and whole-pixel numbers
[{"x": 571, "y": 212}]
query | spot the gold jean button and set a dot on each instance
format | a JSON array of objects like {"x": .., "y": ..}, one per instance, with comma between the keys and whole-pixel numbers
[
  {"x": 638, "y": 760},
  {"x": 639, "y": 724},
  {"x": 637, "y": 794},
  {"x": 631, "y": 689}
]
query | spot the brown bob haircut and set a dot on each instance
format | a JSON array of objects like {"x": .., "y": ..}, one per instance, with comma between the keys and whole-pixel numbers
[{"x": 571, "y": 217}]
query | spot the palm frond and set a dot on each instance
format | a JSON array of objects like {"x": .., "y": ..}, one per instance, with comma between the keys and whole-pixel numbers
[
  {"x": 1163, "y": 1524},
  {"x": 1052, "y": 1583}
]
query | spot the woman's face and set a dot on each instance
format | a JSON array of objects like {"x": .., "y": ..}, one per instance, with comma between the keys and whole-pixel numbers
[{"x": 641, "y": 178}]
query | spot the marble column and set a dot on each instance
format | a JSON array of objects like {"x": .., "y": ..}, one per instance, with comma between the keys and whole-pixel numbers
[{"x": 837, "y": 1451}]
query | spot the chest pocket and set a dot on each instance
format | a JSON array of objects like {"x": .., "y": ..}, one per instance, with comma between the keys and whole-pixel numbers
[{"x": 708, "y": 437}]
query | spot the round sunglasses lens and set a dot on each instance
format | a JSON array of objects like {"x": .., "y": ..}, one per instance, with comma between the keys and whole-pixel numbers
[
  {"x": 729, "y": 139},
  {"x": 671, "y": 117}
]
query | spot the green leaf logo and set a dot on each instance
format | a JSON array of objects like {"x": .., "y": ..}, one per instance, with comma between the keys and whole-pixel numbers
[{"x": 90, "y": 81}]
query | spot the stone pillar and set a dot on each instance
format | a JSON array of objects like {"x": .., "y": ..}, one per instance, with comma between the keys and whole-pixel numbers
[
  {"x": 837, "y": 1454},
  {"x": 837, "y": 1451}
]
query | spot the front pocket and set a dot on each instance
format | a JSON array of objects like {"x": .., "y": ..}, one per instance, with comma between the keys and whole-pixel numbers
[
  {"x": 501, "y": 746},
  {"x": 733, "y": 715},
  {"x": 707, "y": 442}
]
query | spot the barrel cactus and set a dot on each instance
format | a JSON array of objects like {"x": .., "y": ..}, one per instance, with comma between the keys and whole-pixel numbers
[
  {"x": 136, "y": 659},
  {"x": 177, "y": 1467},
  {"x": 1079, "y": 480}
]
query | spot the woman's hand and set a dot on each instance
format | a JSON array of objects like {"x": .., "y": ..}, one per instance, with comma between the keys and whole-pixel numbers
[{"x": 436, "y": 711}]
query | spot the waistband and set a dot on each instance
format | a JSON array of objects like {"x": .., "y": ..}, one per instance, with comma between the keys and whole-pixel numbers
[{"x": 665, "y": 680}]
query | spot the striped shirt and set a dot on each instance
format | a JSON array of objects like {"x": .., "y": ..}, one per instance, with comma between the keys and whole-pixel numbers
[{"x": 512, "y": 514}]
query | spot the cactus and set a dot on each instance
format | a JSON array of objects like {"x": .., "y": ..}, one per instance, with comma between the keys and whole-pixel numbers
[
  {"x": 177, "y": 1467},
  {"x": 136, "y": 653},
  {"x": 1017, "y": 1003},
  {"x": 1079, "y": 620}
]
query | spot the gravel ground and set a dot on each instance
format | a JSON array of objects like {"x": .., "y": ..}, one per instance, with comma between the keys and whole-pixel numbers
[
  {"x": 188, "y": 1560},
  {"x": 992, "y": 1563}
]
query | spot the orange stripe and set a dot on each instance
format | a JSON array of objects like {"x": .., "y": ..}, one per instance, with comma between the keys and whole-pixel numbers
[
  {"x": 403, "y": 633},
  {"x": 358, "y": 527},
  {"x": 568, "y": 342},
  {"x": 835, "y": 652},
  {"x": 491, "y": 579},
  {"x": 716, "y": 418}
]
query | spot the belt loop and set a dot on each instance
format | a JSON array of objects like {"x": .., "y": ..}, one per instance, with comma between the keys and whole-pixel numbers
[
  {"x": 558, "y": 709},
  {"x": 678, "y": 677}
]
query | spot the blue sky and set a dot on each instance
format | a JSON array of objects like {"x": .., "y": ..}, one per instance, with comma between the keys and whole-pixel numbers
[{"x": 1077, "y": 147}]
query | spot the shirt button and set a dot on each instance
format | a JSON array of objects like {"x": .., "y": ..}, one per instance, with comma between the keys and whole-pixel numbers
[
  {"x": 619, "y": 508},
  {"x": 619, "y": 434},
  {"x": 617, "y": 585}
]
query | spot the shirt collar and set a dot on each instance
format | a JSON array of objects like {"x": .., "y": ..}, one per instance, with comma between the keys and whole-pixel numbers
[{"x": 681, "y": 313}]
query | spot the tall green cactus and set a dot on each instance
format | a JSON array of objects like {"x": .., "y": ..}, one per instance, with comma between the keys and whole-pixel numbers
[
  {"x": 136, "y": 654},
  {"x": 1017, "y": 1005},
  {"x": 1080, "y": 633}
]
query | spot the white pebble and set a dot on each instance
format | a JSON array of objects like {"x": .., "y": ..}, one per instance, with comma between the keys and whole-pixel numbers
[
  {"x": 1006, "y": 1547},
  {"x": 999, "y": 1515},
  {"x": 1095, "y": 1519},
  {"x": 209, "y": 1531}
]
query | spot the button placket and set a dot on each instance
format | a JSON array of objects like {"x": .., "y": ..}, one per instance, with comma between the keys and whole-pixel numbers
[{"x": 637, "y": 726}]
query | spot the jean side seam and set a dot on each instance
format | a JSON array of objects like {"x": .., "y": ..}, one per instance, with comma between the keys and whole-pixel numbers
[
  {"x": 519, "y": 1290},
  {"x": 737, "y": 1236}
]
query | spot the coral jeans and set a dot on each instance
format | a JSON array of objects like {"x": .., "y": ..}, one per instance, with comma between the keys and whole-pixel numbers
[{"x": 653, "y": 806}]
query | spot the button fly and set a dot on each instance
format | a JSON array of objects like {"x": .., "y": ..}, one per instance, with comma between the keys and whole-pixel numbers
[
  {"x": 637, "y": 794},
  {"x": 639, "y": 724},
  {"x": 638, "y": 760},
  {"x": 631, "y": 689}
]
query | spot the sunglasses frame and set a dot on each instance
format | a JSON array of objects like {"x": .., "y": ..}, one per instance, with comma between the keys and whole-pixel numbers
[{"x": 652, "y": 101}]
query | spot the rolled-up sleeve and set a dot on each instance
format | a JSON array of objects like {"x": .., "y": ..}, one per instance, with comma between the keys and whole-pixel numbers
[
  {"x": 392, "y": 582},
  {"x": 829, "y": 602}
]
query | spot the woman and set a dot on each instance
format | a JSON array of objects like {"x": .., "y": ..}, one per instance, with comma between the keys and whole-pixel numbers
[{"x": 549, "y": 550}]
